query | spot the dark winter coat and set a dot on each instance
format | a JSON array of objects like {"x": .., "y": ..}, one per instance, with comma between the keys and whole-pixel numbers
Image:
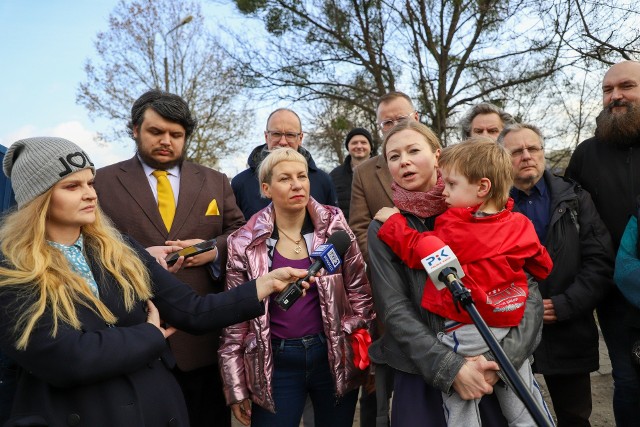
[
  {"x": 610, "y": 172},
  {"x": 8, "y": 376},
  {"x": 342, "y": 177},
  {"x": 246, "y": 187},
  {"x": 580, "y": 247},
  {"x": 113, "y": 375}
]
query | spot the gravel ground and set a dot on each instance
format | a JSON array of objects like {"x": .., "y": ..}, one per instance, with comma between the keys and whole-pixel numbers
[{"x": 601, "y": 390}]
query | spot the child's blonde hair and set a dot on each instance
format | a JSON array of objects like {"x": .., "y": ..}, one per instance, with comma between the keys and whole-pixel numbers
[{"x": 480, "y": 157}]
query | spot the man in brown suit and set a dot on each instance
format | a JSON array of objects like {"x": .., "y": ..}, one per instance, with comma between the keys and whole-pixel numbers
[
  {"x": 367, "y": 200},
  {"x": 371, "y": 191},
  {"x": 205, "y": 208}
]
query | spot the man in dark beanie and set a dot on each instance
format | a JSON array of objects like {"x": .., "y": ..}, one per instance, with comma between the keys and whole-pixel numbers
[{"x": 358, "y": 143}]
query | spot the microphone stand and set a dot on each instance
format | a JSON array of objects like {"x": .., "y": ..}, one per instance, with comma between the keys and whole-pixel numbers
[{"x": 462, "y": 295}]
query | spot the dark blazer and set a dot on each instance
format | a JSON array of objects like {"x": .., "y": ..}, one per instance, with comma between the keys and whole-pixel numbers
[
  {"x": 125, "y": 196},
  {"x": 113, "y": 375}
]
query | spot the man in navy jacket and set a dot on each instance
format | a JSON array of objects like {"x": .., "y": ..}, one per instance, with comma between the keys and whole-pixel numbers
[
  {"x": 284, "y": 129},
  {"x": 578, "y": 242}
]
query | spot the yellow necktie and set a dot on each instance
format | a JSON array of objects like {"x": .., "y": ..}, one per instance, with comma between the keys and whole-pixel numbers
[{"x": 166, "y": 201}]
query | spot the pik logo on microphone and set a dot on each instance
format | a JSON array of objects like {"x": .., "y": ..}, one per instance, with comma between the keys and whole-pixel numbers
[
  {"x": 329, "y": 256},
  {"x": 437, "y": 259}
]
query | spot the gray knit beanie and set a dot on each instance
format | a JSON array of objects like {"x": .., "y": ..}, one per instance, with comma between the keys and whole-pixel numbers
[{"x": 35, "y": 164}]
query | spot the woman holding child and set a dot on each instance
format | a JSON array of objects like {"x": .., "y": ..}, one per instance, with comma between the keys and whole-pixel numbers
[{"x": 424, "y": 366}]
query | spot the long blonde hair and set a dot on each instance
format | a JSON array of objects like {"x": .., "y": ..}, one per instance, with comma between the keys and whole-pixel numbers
[{"x": 41, "y": 273}]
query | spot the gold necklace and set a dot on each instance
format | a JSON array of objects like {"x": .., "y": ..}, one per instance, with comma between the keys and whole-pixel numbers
[{"x": 298, "y": 248}]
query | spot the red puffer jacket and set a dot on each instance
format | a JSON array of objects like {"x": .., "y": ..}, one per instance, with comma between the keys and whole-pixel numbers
[{"x": 345, "y": 297}]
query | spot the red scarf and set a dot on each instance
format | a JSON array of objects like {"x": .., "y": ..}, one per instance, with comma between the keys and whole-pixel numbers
[{"x": 421, "y": 204}]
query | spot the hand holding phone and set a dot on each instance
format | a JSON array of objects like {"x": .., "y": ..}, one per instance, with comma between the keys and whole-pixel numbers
[{"x": 190, "y": 251}]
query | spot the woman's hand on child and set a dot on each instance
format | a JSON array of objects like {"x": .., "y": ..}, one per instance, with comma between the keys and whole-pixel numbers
[
  {"x": 490, "y": 375},
  {"x": 383, "y": 214}
]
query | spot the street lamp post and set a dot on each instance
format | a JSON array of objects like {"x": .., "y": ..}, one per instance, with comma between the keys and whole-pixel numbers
[{"x": 185, "y": 21}]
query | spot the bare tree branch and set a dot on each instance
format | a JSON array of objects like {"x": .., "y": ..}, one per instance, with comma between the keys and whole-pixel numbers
[{"x": 130, "y": 61}]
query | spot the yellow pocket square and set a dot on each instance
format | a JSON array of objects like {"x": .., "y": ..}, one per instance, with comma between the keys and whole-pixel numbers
[{"x": 213, "y": 208}]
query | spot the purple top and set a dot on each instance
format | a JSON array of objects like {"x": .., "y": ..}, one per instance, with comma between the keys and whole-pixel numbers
[{"x": 304, "y": 317}]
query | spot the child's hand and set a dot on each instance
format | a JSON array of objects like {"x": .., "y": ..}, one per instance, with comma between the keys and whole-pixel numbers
[{"x": 384, "y": 213}]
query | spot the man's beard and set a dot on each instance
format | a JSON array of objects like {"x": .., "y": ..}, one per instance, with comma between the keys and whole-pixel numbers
[
  {"x": 153, "y": 163},
  {"x": 620, "y": 128}
]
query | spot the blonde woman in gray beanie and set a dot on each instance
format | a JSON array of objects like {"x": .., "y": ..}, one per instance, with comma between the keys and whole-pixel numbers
[{"x": 80, "y": 305}]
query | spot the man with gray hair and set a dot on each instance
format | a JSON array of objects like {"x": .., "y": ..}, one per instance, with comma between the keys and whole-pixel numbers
[
  {"x": 568, "y": 225},
  {"x": 484, "y": 119}
]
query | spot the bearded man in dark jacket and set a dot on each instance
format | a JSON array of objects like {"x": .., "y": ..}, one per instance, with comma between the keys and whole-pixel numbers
[
  {"x": 608, "y": 166},
  {"x": 578, "y": 242}
]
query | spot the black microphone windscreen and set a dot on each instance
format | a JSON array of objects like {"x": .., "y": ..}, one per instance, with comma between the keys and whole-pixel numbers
[{"x": 340, "y": 241}]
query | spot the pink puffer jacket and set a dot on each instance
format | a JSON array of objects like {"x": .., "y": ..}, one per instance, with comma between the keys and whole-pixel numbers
[{"x": 345, "y": 298}]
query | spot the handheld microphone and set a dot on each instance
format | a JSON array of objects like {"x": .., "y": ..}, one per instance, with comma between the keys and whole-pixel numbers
[
  {"x": 439, "y": 261},
  {"x": 328, "y": 255}
]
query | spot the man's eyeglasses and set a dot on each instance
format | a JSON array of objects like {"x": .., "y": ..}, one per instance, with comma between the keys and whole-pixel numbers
[
  {"x": 387, "y": 125},
  {"x": 275, "y": 136},
  {"x": 533, "y": 150}
]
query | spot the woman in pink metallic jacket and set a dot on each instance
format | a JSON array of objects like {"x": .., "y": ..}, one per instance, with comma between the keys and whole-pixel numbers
[{"x": 280, "y": 358}]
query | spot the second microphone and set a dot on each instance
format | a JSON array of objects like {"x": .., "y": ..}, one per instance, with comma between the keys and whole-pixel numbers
[{"x": 328, "y": 255}]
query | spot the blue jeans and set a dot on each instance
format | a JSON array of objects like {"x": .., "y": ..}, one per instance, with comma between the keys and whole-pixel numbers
[
  {"x": 617, "y": 336},
  {"x": 301, "y": 368}
]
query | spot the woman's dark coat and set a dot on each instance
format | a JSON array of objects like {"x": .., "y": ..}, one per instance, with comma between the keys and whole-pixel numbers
[{"x": 113, "y": 375}]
